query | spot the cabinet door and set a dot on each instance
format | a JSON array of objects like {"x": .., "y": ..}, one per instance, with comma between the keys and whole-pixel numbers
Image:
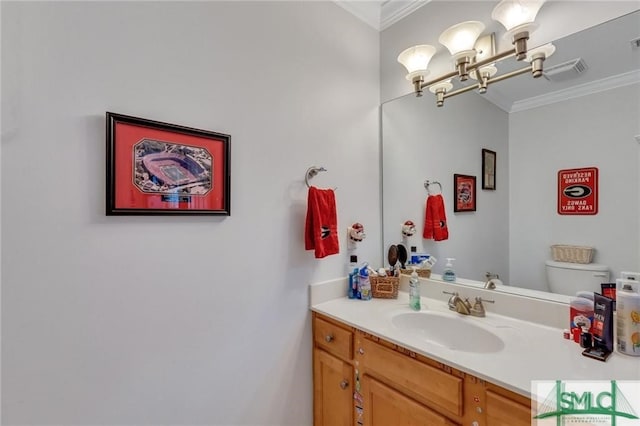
[
  {"x": 332, "y": 390},
  {"x": 503, "y": 411},
  {"x": 385, "y": 406}
]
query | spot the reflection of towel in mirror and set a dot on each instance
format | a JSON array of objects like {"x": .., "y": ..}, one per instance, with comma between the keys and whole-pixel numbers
[
  {"x": 321, "y": 227},
  {"x": 435, "y": 221}
]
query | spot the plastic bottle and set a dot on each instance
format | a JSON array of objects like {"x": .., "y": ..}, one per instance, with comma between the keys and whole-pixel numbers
[
  {"x": 364, "y": 284},
  {"x": 414, "y": 290},
  {"x": 449, "y": 274},
  {"x": 628, "y": 321},
  {"x": 352, "y": 271}
]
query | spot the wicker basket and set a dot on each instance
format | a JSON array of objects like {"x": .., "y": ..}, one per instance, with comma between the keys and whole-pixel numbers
[
  {"x": 384, "y": 287},
  {"x": 422, "y": 273},
  {"x": 572, "y": 254}
]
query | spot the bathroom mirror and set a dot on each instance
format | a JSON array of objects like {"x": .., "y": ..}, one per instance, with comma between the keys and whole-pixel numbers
[{"x": 584, "y": 115}]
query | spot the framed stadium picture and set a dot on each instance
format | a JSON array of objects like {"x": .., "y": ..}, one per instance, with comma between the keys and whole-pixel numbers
[{"x": 156, "y": 168}]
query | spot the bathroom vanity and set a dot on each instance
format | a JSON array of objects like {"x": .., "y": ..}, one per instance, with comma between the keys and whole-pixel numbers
[
  {"x": 399, "y": 386},
  {"x": 380, "y": 363}
]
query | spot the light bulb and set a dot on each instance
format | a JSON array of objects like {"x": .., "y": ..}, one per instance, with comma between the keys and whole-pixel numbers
[
  {"x": 515, "y": 13},
  {"x": 461, "y": 38},
  {"x": 416, "y": 59}
]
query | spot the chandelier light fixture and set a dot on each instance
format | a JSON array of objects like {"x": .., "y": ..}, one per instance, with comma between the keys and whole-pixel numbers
[{"x": 517, "y": 17}]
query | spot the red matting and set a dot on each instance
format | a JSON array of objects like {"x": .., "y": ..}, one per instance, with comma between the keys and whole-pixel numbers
[
  {"x": 129, "y": 196},
  {"x": 578, "y": 191}
]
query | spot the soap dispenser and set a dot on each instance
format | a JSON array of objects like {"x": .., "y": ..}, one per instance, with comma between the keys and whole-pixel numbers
[
  {"x": 414, "y": 290},
  {"x": 449, "y": 274}
]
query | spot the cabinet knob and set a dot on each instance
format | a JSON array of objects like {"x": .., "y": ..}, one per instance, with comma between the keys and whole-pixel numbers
[
  {"x": 344, "y": 384},
  {"x": 328, "y": 338},
  {"x": 361, "y": 351}
]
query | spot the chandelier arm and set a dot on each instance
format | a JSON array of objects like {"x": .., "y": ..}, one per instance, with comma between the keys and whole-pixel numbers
[
  {"x": 470, "y": 67},
  {"x": 460, "y": 90},
  {"x": 509, "y": 75},
  {"x": 439, "y": 79},
  {"x": 491, "y": 80}
]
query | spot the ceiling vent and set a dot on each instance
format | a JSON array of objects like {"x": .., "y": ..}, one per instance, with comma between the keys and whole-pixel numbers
[{"x": 566, "y": 70}]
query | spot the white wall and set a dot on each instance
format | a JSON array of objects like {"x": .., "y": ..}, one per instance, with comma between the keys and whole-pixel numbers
[
  {"x": 172, "y": 320},
  {"x": 556, "y": 18},
  {"x": 591, "y": 131},
  {"x": 422, "y": 141}
]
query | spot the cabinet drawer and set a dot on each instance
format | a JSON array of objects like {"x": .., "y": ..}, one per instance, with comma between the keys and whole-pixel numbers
[
  {"x": 333, "y": 338},
  {"x": 502, "y": 411},
  {"x": 424, "y": 383}
]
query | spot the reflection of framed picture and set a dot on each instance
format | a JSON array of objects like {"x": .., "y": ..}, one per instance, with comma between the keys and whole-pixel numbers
[
  {"x": 464, "y": 188},
  {"x": 156, "y": 168},
  {"x": 488, "y": 169}
]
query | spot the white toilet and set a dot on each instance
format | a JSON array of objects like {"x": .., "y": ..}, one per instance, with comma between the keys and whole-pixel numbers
[{"x": 569, "y": 278}]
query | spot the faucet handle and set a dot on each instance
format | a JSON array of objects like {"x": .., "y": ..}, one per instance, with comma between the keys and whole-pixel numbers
[
  {"x": 478, "y": 307},
  {"x": 452, "y": 299}
]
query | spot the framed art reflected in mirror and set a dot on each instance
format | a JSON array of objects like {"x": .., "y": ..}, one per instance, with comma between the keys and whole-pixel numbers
[
  {"x": 488, "y": 169},
  {"x": 464, "y": 187}
]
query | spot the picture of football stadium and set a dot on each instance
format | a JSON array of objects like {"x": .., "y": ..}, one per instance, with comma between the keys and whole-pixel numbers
[{"x": 167, "y": 168}]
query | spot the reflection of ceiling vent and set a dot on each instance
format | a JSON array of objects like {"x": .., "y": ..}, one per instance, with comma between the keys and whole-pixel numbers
[
  {"x": 566, "y": 70},
  {"x": 635, "y": 43}
]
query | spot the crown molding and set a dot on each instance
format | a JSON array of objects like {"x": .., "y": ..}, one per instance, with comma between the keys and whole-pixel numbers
[
  {"x": 620, "y": 80},
  {"x": 366, "y": 11},
  {"x": 380, "y": 14},
  {"x": 394, "y": 10}
]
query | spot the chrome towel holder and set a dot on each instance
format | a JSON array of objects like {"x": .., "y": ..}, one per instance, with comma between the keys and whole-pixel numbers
[
  {"x": 428, "y": 183},
  {"x": 311, "y": 172}
]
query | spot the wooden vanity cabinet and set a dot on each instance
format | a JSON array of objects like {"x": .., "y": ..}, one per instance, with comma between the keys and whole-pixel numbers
[
  {"x": 506, "y": 408},
  {"x": 333, "y": 373},
  {"x": 399, "y": 387}
]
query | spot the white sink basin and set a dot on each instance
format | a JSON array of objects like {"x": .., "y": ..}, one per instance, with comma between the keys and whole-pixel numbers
[{"x": 453, "y": 332}]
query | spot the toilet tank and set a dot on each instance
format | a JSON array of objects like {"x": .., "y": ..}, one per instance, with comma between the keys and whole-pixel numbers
[{"x": 569, "y": 278}]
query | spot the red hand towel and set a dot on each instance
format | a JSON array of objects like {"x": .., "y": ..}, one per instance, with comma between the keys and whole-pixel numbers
[
  {"x": 321, "y": 227},
  {"x": 435, "y": 222}
]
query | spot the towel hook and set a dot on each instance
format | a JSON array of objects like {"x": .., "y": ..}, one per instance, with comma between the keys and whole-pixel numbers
[
  {"x": 428, "y": 183},
  {"x": 311, "y": 172}
]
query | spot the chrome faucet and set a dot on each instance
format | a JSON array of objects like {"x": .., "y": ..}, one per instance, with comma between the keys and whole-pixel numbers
[
  {"x": 457, "y": 304},
  {"x": 489, "y": 283}
]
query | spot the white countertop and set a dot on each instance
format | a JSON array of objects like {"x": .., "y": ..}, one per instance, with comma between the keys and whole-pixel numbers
[{"x": 530, "y": 352}]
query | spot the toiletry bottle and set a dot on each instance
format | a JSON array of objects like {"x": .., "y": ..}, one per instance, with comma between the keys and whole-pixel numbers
[
  {"x": 449, "y": 274},
  {"x": 352, "y": 271},
  {"x": 628, "y": 321},
  {"x": 364, "y": 284},
  {"x": 414, "y": 290}
]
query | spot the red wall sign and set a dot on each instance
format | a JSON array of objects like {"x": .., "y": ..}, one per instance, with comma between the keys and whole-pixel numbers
[{"x": 578, "y": 191}]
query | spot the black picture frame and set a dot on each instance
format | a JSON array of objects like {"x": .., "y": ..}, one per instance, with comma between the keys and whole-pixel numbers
[
  {"x": 464, "y": 193},
  {"x": 488, "y": 169},
  {"x": 156, "y": 168}
]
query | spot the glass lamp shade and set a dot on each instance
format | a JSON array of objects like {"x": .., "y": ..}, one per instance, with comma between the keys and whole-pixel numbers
[
  {"x": 517, "y": 14},
  {"x": 444, "y": 85},
  {"x": 461, "y": 38},
  {"x": 416, "y": 59},
  {"x": 546, "y": 50},
  {"x": 489, "y": 70}
]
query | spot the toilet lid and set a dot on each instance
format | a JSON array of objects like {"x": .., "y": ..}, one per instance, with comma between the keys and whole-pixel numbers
[{"x": 578, "y": 266}]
